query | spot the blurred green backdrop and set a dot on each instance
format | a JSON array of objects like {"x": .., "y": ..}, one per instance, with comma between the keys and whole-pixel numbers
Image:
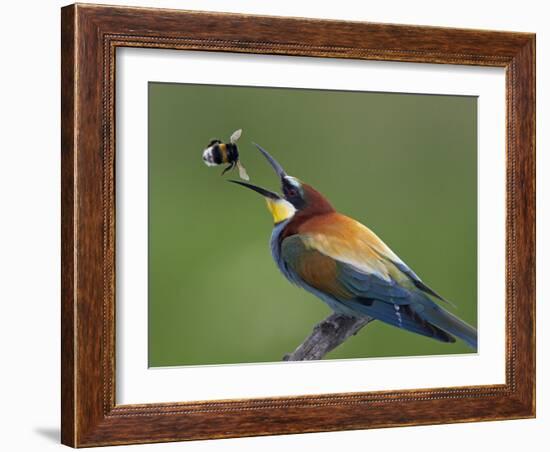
[{"x": 405, "y": 165}]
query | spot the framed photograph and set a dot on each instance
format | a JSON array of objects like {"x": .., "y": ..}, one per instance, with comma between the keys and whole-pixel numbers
[{"x": 391, "y": 279}]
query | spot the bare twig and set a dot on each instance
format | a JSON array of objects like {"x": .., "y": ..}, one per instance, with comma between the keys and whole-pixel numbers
[{"x": 326, "y": 336}]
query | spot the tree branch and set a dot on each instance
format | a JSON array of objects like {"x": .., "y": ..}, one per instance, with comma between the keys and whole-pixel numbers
[{"x": 326, "y": 336}]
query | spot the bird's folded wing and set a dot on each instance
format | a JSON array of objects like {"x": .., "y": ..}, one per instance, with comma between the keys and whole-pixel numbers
[
  {"x": 346, "y": 240},
  {"x": 359, "y": 289},
  {"x": 334, "y": 276}
]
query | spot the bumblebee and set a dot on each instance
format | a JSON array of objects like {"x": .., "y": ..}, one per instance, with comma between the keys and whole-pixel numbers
[{"x": 219, "y": 153}]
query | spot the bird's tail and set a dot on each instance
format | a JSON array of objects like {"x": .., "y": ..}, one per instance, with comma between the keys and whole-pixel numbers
[{"x": 452, "y": 325}]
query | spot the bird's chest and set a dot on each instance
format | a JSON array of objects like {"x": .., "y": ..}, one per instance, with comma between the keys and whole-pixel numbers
[{"x": 275, "y": 244}]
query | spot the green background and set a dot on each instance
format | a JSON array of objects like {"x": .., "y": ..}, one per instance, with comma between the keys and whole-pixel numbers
[{"x": 404, "y": 165}]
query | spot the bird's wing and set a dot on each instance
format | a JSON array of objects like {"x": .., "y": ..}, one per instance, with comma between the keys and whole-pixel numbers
[
  {"x": 361, "y": 292},
  {"x": 348, "y": 241},
  {"x": 334, "y": 276},
  {"x": 362, "y": 278}
]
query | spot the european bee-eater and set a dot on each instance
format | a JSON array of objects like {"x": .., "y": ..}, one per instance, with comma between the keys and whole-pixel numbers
[{"x": 348, "y": 266}]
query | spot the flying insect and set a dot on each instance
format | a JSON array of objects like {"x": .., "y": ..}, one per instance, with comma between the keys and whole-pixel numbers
[{"x": 220, "y": 153}]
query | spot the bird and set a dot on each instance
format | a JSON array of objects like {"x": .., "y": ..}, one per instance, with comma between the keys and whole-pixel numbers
[{"x": 347, "y": 266}]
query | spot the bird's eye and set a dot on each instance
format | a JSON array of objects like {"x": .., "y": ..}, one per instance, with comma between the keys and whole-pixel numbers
[{"x": 291, "y": 192}]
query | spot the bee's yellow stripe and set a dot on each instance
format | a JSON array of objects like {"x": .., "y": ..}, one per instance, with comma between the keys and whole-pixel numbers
[{"x": 223, "y": 152}]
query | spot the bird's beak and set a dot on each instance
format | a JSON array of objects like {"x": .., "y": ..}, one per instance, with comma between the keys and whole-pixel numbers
[
  {"x": 274, "y": 163},
  {"x": 280, "y": 209},
  {"x": 262, "y": 191}
]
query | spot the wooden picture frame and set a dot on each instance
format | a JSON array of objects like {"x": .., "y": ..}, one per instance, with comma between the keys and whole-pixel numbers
[{"x": 90, "y": 36}]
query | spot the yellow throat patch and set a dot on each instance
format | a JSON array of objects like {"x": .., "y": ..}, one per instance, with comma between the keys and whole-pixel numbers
[{"x": 280, "y": 209}]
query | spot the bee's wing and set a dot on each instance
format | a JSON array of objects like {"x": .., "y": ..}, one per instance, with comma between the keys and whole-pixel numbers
[
  {"x": 242, "y": 172},
  {"x": 236, "y": 135}
]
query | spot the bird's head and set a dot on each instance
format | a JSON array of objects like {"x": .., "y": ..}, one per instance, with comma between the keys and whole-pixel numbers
[{"x": 298, "y": 198}]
